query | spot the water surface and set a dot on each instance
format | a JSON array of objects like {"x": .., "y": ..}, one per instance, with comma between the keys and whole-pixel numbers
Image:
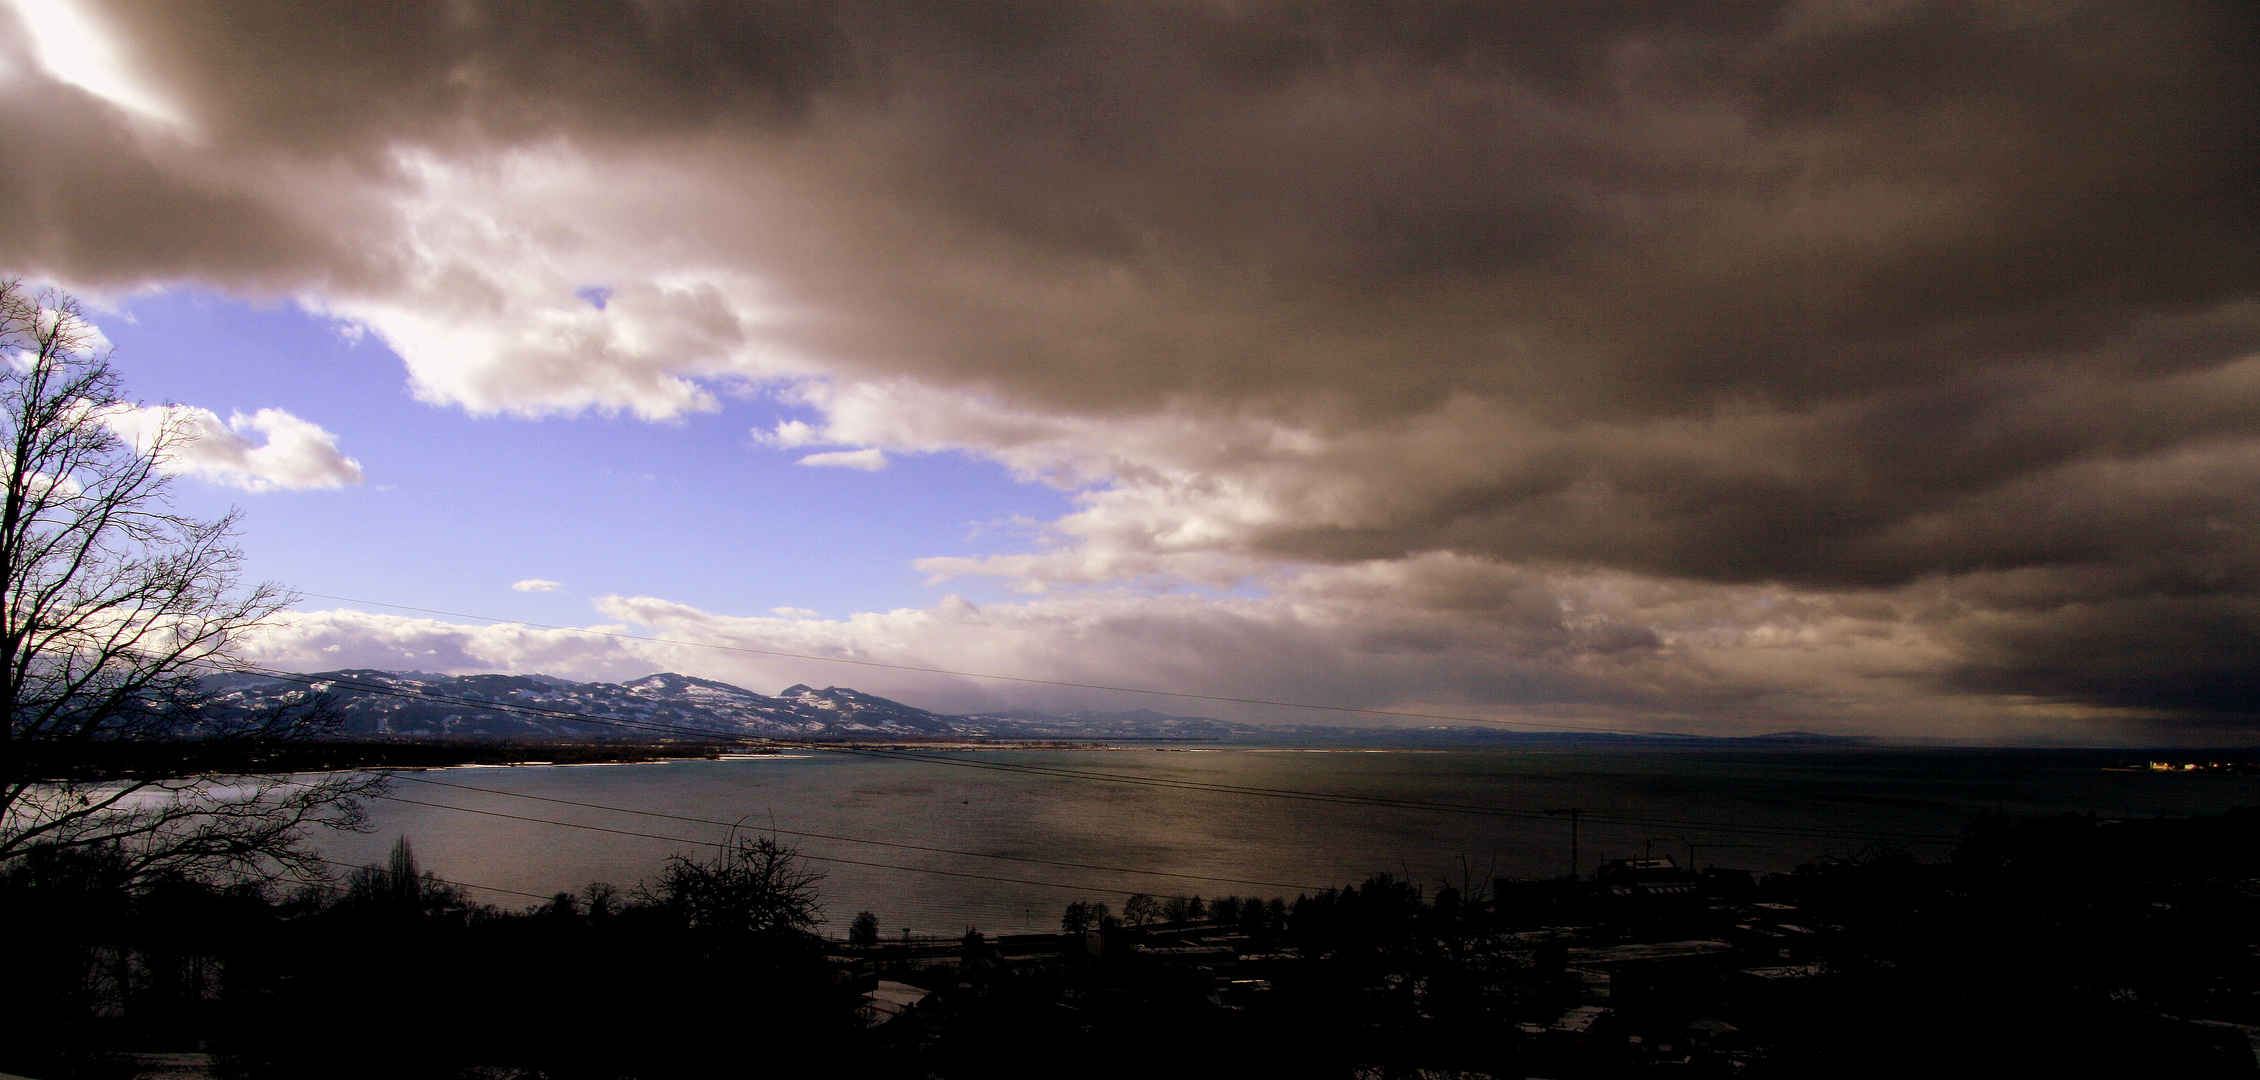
[{"x": 1762, "y": 810}]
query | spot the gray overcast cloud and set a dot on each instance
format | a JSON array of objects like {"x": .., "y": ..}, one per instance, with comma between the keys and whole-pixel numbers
[{"x": 1739, "y": 363}]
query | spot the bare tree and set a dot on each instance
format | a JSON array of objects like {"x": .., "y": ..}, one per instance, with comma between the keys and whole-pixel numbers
[
  {"x": 113, "y": 607},
  {"x": 752, "y": 889},
  {"x": 403, "y": 887}
]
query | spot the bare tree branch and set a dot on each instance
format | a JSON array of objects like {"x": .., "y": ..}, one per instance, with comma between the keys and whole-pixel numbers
[{"x": 113, "y": 608}]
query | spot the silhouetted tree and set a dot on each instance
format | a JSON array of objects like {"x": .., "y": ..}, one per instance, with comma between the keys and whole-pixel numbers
[
  {"x": 864, "y": 931},
  {"x": 112, "y": 609},
  {"x": 603, "y": 900},
  {"x": 402, "y": 886},
  {"x": 1076, "y": 919},
  {"x": 562, "y": 906},
  {"x": 751, "y": 888},
  {"x": 1254, "y": 918},
  {"x": 1140, "y": 910}
]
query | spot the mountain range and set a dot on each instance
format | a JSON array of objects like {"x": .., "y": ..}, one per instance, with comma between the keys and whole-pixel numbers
[
  {"x": 666, "y": 705},
  {"x": 420, "y": 704}
]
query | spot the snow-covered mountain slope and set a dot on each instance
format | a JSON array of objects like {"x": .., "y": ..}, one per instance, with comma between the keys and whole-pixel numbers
[{"x": 664, "y": 705}]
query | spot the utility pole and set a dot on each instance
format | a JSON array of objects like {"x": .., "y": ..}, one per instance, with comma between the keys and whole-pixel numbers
[{"x": 1573, "y": 812}]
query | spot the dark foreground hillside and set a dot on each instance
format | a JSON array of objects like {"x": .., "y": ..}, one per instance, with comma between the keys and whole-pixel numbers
[{"x": 2056, "y": 946}]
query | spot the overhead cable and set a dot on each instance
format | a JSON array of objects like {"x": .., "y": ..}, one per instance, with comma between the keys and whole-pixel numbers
[{"x": 853, "y": 839}]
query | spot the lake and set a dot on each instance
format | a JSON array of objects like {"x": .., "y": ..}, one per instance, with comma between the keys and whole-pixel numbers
[{"x": 1757, "y": 809}]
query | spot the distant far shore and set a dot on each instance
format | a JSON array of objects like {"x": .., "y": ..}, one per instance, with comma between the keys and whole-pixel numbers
[
  {"x": 98, "y": 761},
  {"x": 162, "y": 758}
]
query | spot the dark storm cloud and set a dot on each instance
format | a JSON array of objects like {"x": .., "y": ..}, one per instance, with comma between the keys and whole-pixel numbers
[
  {"x": 314, "y": 78},
  {"x": 1847, "y": 297}
]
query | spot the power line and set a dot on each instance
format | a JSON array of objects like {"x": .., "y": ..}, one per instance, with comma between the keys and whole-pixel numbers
[
  {"x": 1052, "y": 771},
  {"x": 1363, "y": 800},
  {"x": 1548, "y": 725},
  {"x": 719, "y": 844},
  {"x": 545, "y": 897},
  {"x": 443, "y": 881},
  {"x": 858, "y": 840},
  {"x": 1081, "y": 774}
]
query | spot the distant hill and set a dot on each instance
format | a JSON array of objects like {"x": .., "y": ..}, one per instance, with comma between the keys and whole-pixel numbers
[
  {"x": 672, "y": 705},
  {"x": 677, "y": 706},
  {"x": 1808, "y": 738}
]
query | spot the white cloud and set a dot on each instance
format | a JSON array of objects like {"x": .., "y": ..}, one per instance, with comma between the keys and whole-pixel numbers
[
  {"x": 192, "y": 441},
  {"x": 788, "y": 434},
  {"x": 330, "y": 640},
  {"x": 1448, "y": 635},
  {"x": 871, "y": 460},
  {"x": 492, "y": 252},
  {"x": 535, "y": 584},
  {"x": 796, "y": 613}
]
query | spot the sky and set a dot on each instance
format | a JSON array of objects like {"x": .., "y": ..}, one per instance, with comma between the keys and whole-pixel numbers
[{"x": 1863, "y": 368}]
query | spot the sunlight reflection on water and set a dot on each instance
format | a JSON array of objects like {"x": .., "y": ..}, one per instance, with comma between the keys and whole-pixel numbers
[{"x": 1686, "y": 794}]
